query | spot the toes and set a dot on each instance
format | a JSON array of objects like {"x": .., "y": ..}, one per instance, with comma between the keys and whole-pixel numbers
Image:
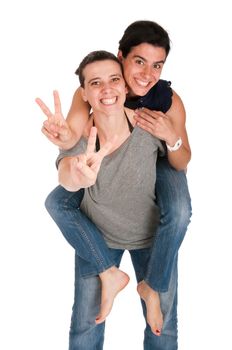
[
  {"x": 156, "y": 331},
  {"x": 99, "y": 319},
  {"x": 104, "y": 312}
]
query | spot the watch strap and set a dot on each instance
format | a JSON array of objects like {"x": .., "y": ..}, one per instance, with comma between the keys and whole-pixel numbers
[{"x": 176, "y": 146}]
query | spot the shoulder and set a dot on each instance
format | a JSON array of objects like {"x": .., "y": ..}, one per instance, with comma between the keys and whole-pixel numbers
[
  {"x": 177, "y": 109},
  {"x": 146, "y": 140},
  {"x": 130, "y": 114},
  {"x": 164, "y": 85},
  {"x": 161, "y": 94}
]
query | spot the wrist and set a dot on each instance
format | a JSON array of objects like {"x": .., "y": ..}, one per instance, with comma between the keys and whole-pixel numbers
[
  {"x": 174, "y": 147},
  {"x": 70, "y": 141}
]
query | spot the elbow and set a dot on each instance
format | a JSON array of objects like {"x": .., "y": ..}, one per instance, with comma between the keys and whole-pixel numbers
[
  {"x": 62, "y": 182},
  {"x": 180, "y": 168},
  {"x": 67, "y": 183},
  {"x": 66, "y": 186}
]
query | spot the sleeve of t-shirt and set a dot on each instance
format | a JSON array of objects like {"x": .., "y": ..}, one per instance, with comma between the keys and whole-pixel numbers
[
  {"x": 79, "y": 148},
  {"x": 160, "y": 146}
]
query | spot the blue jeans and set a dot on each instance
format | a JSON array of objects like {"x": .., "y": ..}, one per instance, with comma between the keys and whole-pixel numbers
[
  {"x": 175, "y": 211},
  {"x": 174, "y": 202},
  {"x": 86, "y": 335}
]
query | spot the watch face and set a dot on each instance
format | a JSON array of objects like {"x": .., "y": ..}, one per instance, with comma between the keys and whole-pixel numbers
[{"x": 176, "y": 146}]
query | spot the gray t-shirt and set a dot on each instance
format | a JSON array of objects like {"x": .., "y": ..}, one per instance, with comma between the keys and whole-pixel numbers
[{"x": 121, "y": 203}]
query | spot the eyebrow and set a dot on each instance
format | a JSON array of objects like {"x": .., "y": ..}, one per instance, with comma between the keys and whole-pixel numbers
[
  {"x": 111, "y": 76},
  {"x": 144, "y": 59}
]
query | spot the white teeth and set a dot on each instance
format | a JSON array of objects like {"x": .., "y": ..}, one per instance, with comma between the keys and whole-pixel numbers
[
  {"x": 108, "y": 101},
  {"x": 142, "y": 83}
]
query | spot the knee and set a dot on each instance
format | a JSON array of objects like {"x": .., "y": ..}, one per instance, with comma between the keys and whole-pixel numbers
[
  {"x": 181, "y": 214},
  {"x": 52, "y": 201},
  {"x": 173, "y": 196},
  {"x": 178, "y": 209},
  {"x": 181, "y": 210},
  {"x": 60, "y": 199}
]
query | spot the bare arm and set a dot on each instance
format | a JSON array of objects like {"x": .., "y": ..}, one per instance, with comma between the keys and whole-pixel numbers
[
  {"x": 180, "y": 158},
  {"x": 168, "y": 127},
  {"x": 78, "y": 114}
]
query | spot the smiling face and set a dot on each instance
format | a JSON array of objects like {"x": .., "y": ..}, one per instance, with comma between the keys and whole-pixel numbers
[
  {"x": 104, "y": 86},
  {"x": 142, "y": 67}
]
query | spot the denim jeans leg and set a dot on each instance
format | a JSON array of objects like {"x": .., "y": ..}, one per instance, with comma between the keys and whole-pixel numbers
[
  {"x": 168, "y": 302},
  {"x": 85, "y": 334},
  {"x": 79, "y": 231},
  {"x": 174, "y": 203}
]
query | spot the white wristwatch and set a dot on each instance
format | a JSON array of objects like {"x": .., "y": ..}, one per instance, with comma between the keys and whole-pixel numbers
[{"x": 176, "y": 146}]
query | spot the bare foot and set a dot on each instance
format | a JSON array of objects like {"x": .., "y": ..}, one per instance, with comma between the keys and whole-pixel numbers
[
  {"x": 113, "y": 281},
  {"x": 152, "y": 301}
]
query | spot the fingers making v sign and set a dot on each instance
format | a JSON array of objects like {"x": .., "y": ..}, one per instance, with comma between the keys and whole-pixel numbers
[
  {"x": 55, "y": 128},
  {"x": 85, "y": 167}
]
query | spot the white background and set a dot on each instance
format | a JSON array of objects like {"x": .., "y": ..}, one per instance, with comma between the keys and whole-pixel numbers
[{"x": 42, "y": 43}]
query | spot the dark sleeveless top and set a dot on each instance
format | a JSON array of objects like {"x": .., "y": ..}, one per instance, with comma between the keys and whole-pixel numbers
[{"x": 158, "y": 98}]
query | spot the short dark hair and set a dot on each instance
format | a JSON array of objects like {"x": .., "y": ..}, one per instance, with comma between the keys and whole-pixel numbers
[
  {"x": 144, "y": 32},
  {"x": 94, "y": 56}
]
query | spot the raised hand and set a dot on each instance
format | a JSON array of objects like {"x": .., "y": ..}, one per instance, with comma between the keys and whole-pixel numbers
[
  {"x": 85, "y": 167},
  {"x": 55, "y": 128}
]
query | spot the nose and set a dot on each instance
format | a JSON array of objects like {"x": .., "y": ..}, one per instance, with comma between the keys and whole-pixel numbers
[
  {"x": 106, "y": 87},
  {"x": 147, "y": 71}
]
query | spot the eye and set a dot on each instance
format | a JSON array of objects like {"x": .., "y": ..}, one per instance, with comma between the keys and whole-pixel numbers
[
  {"x": 157, "y": 66},
  {"x": 139, "y": 61},
  {"x": 115, "y": 79},
  {"x": 95, "y": 83}
]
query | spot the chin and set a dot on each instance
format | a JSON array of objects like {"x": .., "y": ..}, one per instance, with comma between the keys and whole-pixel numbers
[{"x": 140, "y": 91}]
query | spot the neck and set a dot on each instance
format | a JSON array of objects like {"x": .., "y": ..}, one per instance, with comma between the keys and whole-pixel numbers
[
  {"x": 109, "y": 124},
  {"x": 112, "y": 127},
  {"x": 131, "y": 96}
]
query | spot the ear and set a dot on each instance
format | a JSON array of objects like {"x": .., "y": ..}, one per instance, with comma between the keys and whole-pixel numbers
[
  {"x": 83, "y": 94},
  {"x": 120, "y": 56},
  {"x": 126, "y": 88}
]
